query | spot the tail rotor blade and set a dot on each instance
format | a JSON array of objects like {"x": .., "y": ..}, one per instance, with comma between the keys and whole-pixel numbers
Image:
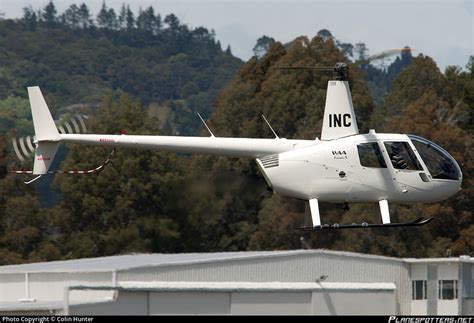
[
  {"x": 75, "y": 125},
  {"x": 29, "y": 143},
  {"x": 61, "y": 129},
  {"x": 23, "y": 146},
  {"x": 81, "y": 121},
  {"x": 17, "y": 150},
  {"x": 68, "y": 127}
]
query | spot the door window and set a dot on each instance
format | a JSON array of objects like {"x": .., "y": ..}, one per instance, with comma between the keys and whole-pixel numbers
[
  {"x": 402, "y": 156},
  {"x": 370, "y": 155}
]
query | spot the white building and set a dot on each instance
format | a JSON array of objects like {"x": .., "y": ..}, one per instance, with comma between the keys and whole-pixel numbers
[{"x": 275, "y": 282}]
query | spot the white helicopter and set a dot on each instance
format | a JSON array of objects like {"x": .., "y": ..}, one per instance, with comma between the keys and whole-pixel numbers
[{"x": 342, "y": 167}]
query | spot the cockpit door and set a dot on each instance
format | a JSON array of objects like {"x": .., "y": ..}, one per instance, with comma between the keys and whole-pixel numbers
[{"x": 373, "y": 172}]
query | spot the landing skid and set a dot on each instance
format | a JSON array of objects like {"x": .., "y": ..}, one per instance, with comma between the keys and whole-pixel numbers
[{"x": 335, "y": 226}]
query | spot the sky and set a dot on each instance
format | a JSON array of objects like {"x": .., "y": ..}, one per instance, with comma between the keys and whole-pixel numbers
[{"x": 442, "y": 29}]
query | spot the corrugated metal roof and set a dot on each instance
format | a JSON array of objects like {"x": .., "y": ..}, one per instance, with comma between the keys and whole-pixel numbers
[{"x": 123, "y": 262}]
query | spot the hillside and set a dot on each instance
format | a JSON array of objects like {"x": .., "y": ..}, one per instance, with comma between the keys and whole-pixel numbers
[{"x": 176, "y": 71}]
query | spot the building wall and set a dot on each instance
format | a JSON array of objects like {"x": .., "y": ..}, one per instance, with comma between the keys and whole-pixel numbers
[
  {"x": 294, "y": 268},
  {"x": 50, "y": 286},
  {"x": 131, "y": 303},
  {"x": 12, "y": 287},
  {"x": 28, "y": 312},
  {"x": 354, "y": 303},
  {"x": 448, "y": 271},
  {"x": 244, "y": 303},
  {"x": 432, "y": 273},
  {"x": 466, "y": 281}
]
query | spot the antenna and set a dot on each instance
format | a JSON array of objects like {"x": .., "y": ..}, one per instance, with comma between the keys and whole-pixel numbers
[
  {"x": 212, "y": 135},
  {"x": 268, "y": 123}
]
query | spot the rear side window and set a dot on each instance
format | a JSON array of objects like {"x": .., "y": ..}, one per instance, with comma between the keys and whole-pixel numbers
[
  {"x": 370, "y": 155},
  {"x": 402, "y": 156}
]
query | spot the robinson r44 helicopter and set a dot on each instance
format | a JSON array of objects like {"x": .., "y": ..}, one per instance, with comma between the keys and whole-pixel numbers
[{"x": 341, "y": 167}]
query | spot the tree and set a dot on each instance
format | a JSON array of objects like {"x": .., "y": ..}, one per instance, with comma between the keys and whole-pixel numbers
[
  {"x": 470, "y": 65},
  {"x": 130, "y": 19},
  {"x": 30, "y": 19},
  {"x": 147, "y": 20},
  {"x": 102, "y": 16},
  {"x": 262, "y": 46},
  {"x": 324, "y": 34},
  {"x": 126, "y": 208},
  {"x": 173, "y": 23},
  {"x": 107, "y": 18},
  {"x": 85, "y": 18},
  {"x": 22, "y": 225},
  {"x": 361, "y": 50},
  {"x": 346, "y": 48},
  {"x": 49, "y": 14},
  {"x": 72, "y": 16},
  {"x": 122, "y": 18}
]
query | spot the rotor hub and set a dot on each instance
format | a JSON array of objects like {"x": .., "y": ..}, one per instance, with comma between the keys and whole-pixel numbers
[{"x": 341, "y": 71}]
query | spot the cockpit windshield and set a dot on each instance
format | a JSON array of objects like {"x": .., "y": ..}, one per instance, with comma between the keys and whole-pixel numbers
[{"x": 439, "y": 162}]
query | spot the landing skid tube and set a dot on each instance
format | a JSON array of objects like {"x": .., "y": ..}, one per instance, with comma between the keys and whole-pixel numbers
[{"x": 335, "y": 226}]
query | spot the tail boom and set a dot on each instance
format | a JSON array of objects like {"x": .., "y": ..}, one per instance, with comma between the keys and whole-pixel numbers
[{"x": 229, "y": 147}]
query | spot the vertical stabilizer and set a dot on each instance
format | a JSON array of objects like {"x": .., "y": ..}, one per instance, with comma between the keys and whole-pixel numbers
[
  {"x": 339, "y": 117},
  {"x": 45, "y": 128}
]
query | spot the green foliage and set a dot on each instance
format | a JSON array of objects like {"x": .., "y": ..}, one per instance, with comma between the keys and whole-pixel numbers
[
  {"x": 15, "y": 113},
  {"x": 75, "y": 59},
  {"x": 137, "y": 204},
  {"x": 22, "y": 225},
  {"x": 262, "y": 46},
  {"x": 125, "y": 208},
  {"x": 380, "y": 80}
]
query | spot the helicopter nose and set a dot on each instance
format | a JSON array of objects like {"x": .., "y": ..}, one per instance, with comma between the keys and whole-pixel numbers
[
  {"x": 444, "y": 189},
  {"x": 452, "y": 187}
]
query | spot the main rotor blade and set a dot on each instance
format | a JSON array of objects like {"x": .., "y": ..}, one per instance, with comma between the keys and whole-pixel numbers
[
  {"x": 384, "y": 54},
  {"x": 304, "y": 68}
]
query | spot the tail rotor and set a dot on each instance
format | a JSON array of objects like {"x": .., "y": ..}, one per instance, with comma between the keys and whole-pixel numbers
[{"x": 24, "y": 146}]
